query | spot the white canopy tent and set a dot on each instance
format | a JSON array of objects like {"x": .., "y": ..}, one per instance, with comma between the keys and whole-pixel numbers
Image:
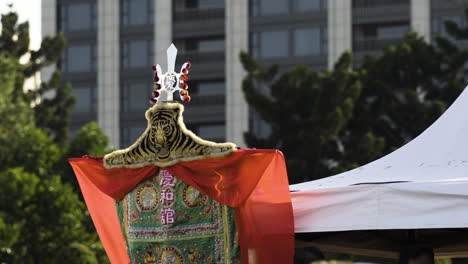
[{"x": 423, "y": 187}]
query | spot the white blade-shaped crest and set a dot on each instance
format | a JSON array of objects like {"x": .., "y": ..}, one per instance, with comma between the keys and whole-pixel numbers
[
  {"x": 171, "y": 57},
  {"x": 165, "y": 84}
]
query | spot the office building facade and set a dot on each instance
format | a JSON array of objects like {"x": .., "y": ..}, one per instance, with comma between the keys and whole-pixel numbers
[{"x": 112, "y": 45}]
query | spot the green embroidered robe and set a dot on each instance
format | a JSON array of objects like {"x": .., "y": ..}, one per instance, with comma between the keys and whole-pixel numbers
[{"x": 164, "y": 220}]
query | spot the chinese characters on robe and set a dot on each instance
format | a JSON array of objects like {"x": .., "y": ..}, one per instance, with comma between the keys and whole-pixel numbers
[{"x": 167, "y": 197}]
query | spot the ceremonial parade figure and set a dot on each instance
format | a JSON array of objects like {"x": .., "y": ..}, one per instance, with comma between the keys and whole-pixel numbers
[{"x": 172, "y": 197}]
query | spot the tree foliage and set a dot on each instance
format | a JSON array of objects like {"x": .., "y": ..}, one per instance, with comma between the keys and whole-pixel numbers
[
  {"x": 305, "y": 110},
  {"x": 90, "y": 140},
  {"x": 42, "y": 218},
  {"x": 336, "y": 120},
  {"x": 40, "y": 215},
  {"x": 53, "y": 102}
]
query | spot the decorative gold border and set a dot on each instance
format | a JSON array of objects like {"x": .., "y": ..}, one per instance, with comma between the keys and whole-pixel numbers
[
  {"x": 227, "y": 240},
  {"x": 180, "y": 122}
]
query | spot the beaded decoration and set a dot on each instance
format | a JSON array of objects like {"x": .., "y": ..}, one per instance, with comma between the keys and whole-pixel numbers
[{"x": 165, "y": 84}]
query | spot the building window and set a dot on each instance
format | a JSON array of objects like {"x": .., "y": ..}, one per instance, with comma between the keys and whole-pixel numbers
[
  {"x": 270, "y": 44},
  {"x": 204, "y": 4},
  {"x": 215, "y": 131},
  {"x": 210, "y": 45},
  {"x": 203, "y": 45},
  {"x": 269, "y": 7},
  {"x": 377, "y": 36},
  {"x": 276, "y": 44},
  {"x": 137, "y": 12},
  {"x": 438, "y": 24},
  {"x": 85, "y": 99},
  {"x": 307, "y": 41},
  {"x": 309, "y": 5},
  {"x": 258, "y": 126},
  {"x": 380, "y": 31},
  {"x": 131, "y": 134},
  {"x": 137, "y": 53},
  {"x": 391, "y": 31},
  {"x": 77, "y": 17},
  {"x": 211, "y": 88},
  {"x": 375, "y": 3},
  {"x": 79, "y": 58},
  {"x": 135, "y": 96},
  {"x": 282, "y": 7}
]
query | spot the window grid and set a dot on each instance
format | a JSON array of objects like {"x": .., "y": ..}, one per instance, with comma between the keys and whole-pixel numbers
[
  {"x": 131, "y": 134},
  {"x": 208, "y": 88},
  {"x": 64, "y": 16},
  {"x": 293, "y": 7},
  {"x": 92, "y": 98},
  {"x": 125, "y": 54},
  {"x": 125, "y": 12},
  {"x": 64, "y": 63},
  {"x": 256, "y": 42},
  {"x": 128, "y": 91},
  {"x": 210, "y": 131}
]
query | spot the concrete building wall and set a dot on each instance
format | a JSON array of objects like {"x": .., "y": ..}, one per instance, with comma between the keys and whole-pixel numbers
[
  {"x": 48, "y": 28},
  {"x": 237, "y": 32},
  {"x": 162, "y": 31},
  {"x": 339, "y": 29},
  {"x": 421, "y": 18},
  {"x": 343, "y": 25},
  {"x": 108, "y": 69}
]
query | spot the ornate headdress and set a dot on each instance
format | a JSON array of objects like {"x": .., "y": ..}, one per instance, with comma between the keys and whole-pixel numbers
[
  {"x": 165, "y": 84},
  {"x": 166, "y": 141}
]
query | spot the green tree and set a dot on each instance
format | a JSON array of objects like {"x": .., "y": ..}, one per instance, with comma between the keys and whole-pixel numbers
[
  {"x": 78, "y": 254},
  {"x": 52, "y": 114},
  {"x": 305, "y": 110},
  {"x": 46, "y": 214},
  {"x": 333, "y": 121},
  {"x": 39, "y": 214},
  {"x": 42, "y": 218},
  {"x": 454, "y": 55},
  {"x": 396, "y": 103},
  {"x": 405, "y": 90},
  {"x": 90, "y": 140}
]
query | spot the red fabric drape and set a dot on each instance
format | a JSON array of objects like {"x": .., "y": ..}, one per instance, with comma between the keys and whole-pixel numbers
[
  {"x": 253, "y": 181},
  {"x": 103, "y": 212}
]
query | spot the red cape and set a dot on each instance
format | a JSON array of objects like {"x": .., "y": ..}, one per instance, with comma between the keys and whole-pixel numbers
[{"x": 253, "y": 181}]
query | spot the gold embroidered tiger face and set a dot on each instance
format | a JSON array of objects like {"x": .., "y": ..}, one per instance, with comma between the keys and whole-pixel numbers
[
  {"x": 165, "y": 142},
  {"x": 163, "y": 132}
]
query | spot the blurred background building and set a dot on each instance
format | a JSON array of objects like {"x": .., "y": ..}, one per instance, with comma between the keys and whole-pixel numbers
[{"x": 112, "y": 45}]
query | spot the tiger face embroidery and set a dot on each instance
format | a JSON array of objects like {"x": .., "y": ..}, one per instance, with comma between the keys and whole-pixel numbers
[
  {"x": 162, "y": 131},
  {"x": 165, "y": 142}
]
